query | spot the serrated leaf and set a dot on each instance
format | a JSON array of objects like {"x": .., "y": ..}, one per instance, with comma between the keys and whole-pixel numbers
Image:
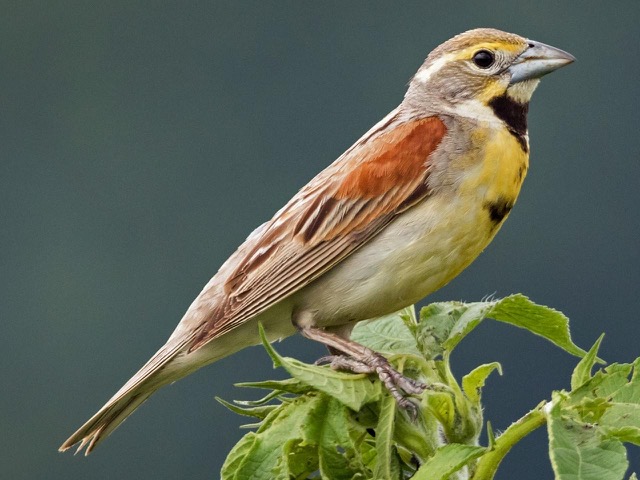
[
  {"x": 591, "y": 409},
  {"x": 290, "y": 385},
  {"x": 544, "y": 321},
  {"x": 623, "y": 416},
  {"x": 299, "y": 459},
  {"x": 491, "y": 437},
  {"x": 237, "y": 457},
  {"x": 579, "y": 451},
  {"x": 261, "y": 401},
  {"x": 340, "y": 443},
  {"x": 388, "y": 335},
  {"x": 386, "y": 464},
  {"x": 469, "y": 316},
  {"x": 260, "y": 411},
  {"x": 627, "y": 434},
  {"x": 447, "y": 460},
  {"x": 473, "y": 382},
  {"x": 420, "y": 438},
  {"x": 442, "y": 405},
  {"x": 350, "y": 389},
  {"x": 442, "y": 325},
  {"x": 317, "y": 434},
  {"x": 264, "y": 453},
  {"x": 604, "y": 384},
  {"x": 311, "y": 433},
  {"x": 582, "y": 373}
]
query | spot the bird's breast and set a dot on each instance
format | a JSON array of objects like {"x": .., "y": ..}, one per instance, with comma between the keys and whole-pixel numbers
[
  {"x": 428, "y": 245},
  {"x": 496, "y": 178}
]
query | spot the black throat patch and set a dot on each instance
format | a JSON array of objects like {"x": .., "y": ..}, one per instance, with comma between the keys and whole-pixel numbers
[{"x": 514, "y": 114}]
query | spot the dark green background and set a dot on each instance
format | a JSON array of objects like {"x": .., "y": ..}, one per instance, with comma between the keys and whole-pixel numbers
[{"x": 141, "y": 142}]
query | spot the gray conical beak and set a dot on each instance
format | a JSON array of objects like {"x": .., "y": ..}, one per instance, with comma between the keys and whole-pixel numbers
[{"x": 538, "y": 60}]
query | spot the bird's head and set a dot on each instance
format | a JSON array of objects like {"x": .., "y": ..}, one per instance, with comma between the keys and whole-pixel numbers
[{"x": 467, "y": 73}]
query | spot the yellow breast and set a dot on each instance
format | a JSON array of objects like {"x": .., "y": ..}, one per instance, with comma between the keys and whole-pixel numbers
[
  {"x": 431, "y": 243},
  {"x": 496, "y": 180}
]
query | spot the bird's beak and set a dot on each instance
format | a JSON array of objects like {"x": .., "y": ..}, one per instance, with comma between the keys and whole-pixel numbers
[{"x": 538, "y": 60}]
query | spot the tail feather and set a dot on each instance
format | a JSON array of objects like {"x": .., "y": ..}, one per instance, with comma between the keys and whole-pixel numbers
[
  {"x": 101, "y": 430},
  {"x": 153, "y": 375}
]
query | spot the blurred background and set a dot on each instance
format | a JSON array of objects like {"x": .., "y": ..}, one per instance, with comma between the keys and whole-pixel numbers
[{"x": 142, "y": 141}]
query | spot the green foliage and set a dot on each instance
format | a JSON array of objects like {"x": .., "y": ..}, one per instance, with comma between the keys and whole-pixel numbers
[
  {"x": 325, "y": 424},
  {"x": 587, "y": 426}
]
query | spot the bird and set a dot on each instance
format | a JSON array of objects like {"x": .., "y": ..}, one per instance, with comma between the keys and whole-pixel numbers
[{"x": 397, "y": 216}]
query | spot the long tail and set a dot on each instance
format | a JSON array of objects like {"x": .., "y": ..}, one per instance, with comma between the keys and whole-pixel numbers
[{"x": 153, "y": 375}]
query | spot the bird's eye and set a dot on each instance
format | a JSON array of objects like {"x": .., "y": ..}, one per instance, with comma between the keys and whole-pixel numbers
[{"x": 483, "y": 59}]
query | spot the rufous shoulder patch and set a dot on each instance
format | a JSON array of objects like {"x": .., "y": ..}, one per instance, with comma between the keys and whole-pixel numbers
[{"x": 394, "y": 158}]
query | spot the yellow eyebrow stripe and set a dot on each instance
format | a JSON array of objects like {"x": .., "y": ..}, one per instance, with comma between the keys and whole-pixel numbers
[{"x": 467, "y": 53}]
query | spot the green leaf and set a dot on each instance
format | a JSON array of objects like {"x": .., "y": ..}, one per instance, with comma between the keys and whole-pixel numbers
[
  {"x": 544, "y": 321},
  {"x": 237, "y": 457},
  {"x": 260, "y": 411},
  {"x": 352, "y": 390},
  {"x": 622, "y": 418},
  {"x": 386, "y": 462},
  {"x": 473, "y": 382},
  {"x": 599, "y": 414},
  {"x": 491, "y": 437},
  {"x": 579, "y": 451},
  {"x": 442, "y": 405},
  {"x": 299, "y": 459},
  {"x": 469, "y": 316},
  {"x": 628, "y": 434},
  {"x": 590, "y": 409},
  {"x": 290, "y": 385},
  {"x": 604, "y": 384},
  {"x": 261, "y": 401},
  {"x": 447, "y": 460},
  {"x": 277, "y": 450},
  {"x": 340, "y": 445},
  {"x": 443, "y": 325},
  {"x": 421, "y": 438},
  {"x": 582, "y": 372},
  {"x": 313, "y": 432},
  {"x": 388, "y": 335}
]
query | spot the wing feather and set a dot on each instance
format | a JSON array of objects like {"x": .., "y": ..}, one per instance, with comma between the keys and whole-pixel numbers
[{"x": 341, "y": 209}]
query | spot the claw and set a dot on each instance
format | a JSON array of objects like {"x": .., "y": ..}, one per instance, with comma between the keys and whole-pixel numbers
[
  {"x": 361, "y": 359},
  {"x": 396, "y": 383},
  {"x": 410, "y": 407},
  {"x": 326, "y": 360}
]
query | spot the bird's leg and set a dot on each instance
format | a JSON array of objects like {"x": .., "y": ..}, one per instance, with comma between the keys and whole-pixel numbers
[{"x": 361, "y": 359}]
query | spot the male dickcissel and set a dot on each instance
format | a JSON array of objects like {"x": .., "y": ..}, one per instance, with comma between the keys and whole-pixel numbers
[{"x": 397, "y": 216}]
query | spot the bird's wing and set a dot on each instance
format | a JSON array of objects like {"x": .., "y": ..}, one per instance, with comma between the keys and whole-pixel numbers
[{"x": 342, "y": 208}]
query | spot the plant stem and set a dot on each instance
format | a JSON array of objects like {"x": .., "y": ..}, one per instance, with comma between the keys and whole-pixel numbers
[{"x": 488, "y": 464}]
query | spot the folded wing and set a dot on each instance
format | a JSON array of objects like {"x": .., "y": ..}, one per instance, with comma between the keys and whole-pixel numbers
[{"x": 342, "y": 208}]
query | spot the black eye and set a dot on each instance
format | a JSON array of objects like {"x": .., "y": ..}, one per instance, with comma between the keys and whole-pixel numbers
[{"x": 483, "y": 59}]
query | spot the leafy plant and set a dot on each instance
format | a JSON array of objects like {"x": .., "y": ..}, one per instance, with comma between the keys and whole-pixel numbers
[{"x": 322, "y": 423}]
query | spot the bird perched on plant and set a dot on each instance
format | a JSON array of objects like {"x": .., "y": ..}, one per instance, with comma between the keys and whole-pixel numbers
[{"x": 402, "y": 212}]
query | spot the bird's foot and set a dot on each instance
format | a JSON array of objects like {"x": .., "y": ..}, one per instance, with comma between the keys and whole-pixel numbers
[{"x": 397, "y": 384}]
